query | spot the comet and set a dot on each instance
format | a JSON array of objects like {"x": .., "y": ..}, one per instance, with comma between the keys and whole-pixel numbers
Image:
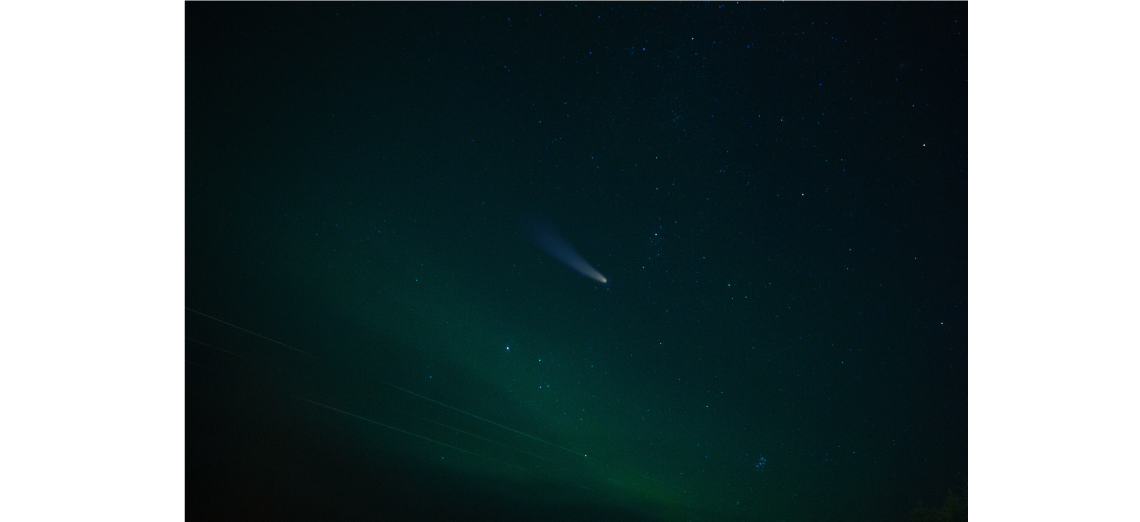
[{"x": 548, "y": 239}]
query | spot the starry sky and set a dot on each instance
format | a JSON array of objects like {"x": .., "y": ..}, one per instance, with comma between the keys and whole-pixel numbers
[{"x": 775, "y": 194}]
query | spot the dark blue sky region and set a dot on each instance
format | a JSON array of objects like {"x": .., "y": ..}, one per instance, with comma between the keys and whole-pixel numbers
[{"x": 775, "y": 194}]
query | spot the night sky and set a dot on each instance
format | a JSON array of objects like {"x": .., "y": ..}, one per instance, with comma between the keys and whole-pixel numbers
[{"x": 775, "y": 194}]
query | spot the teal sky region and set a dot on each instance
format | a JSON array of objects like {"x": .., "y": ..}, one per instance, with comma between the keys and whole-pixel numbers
[{"x": 775, "y": 194}]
